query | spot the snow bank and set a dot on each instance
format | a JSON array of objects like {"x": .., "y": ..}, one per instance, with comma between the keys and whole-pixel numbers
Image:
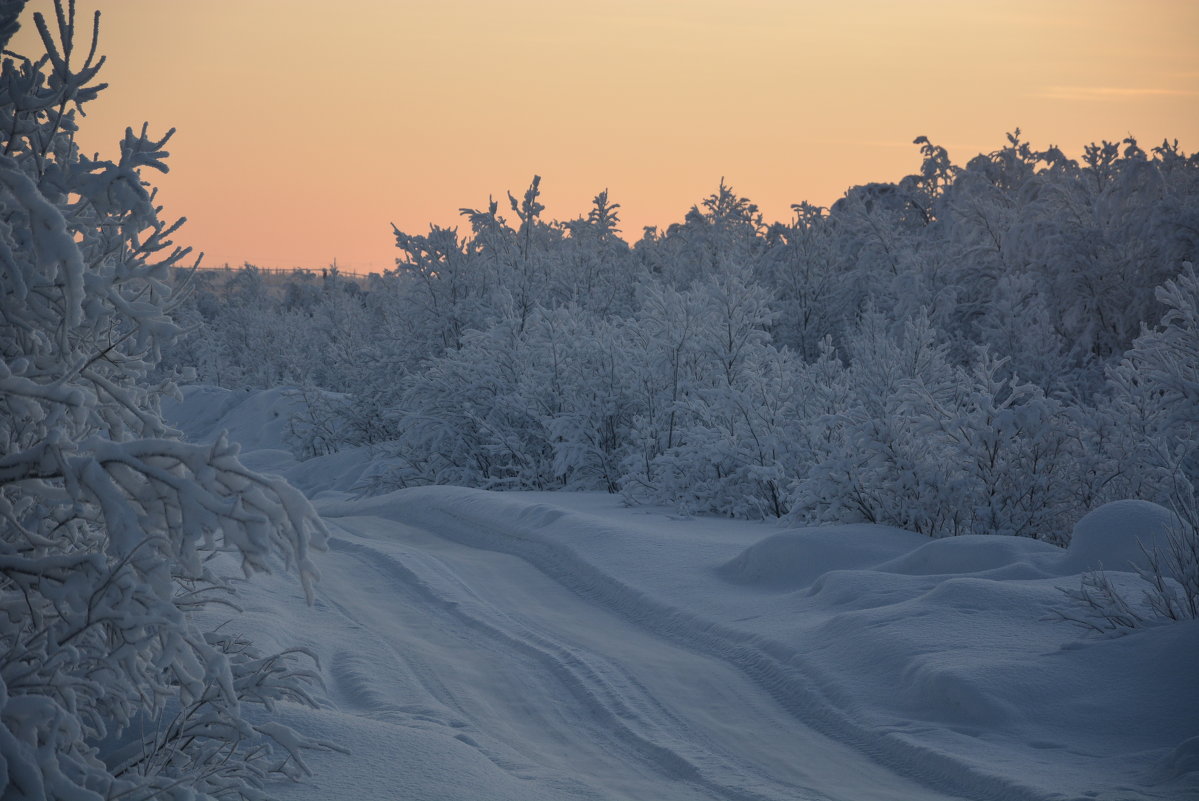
[
  {"x": 1117, "y": 535},
  {"x": 259, "y": 422},
  {"x": 979, "y": 554},
  {"x": 795, "y": 558}
]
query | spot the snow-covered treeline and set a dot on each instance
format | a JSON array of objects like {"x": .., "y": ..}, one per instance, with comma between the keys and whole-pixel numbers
[{"x": 990, "y": 347}]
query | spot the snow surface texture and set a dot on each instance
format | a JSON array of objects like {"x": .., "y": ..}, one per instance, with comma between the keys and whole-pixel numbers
[{"x": 561, "y": 646}]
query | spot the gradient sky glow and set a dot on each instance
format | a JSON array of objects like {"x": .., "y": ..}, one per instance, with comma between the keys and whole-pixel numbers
[{"x": 306, "y": 128}]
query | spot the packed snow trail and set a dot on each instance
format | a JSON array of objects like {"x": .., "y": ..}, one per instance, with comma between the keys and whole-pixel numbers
[
  {"x": 551, "y": 689},
  {"x": 731, "y": 703}
]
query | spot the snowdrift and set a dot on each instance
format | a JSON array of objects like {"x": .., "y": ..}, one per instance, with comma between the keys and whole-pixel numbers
[{"x": 259, "y": 422}]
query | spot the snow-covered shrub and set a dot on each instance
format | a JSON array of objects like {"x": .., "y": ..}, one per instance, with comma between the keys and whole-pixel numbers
[
  {"x": 108, "y": 523},
  {"x": 589, "y": 426},
  {"x": 1173, "y": 571},
  {"x": 1157, "y": 385},
  {"x": 479, "y": 415},
  {"x": 725, "y": 451},
  {"x": 1009, "y": 451},
  {"x": 541, "y": 406},
  {"x": 940, "y": 449},
  {"x": 664, "y": 358},
  {"x": 734, "y": 456},
  {"x": 1098, "y": 605},
  {"x": 1152, "y": 427},
  {"x": 318, "y": 426},
  {"x": 442, "y": 288},
  {"x": 723, "y": 229},
  {"x": 809, "y": 293},
  {"x": 876, "y": 466},
  {"x": 1158, "y": 584},
  {"x": 595, "y": 268}
]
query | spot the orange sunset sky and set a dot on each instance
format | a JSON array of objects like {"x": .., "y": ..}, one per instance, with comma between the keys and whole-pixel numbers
[{"x": 306, "y": 128}]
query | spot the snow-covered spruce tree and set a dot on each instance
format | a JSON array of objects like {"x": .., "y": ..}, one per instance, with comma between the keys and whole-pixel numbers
[{"x": 109, "y": 525}]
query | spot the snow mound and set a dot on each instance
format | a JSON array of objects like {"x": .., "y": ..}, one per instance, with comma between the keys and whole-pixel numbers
[
  {"x": 1017, "y": 557},
  {"x": 259, "y": 422},
  {"x": 952, "y": 694},
  {"x": 794, "y": 559},
  {"x": 344, "y": 471},
  {"x": 256, "y": 420},
  {"x": 1116, "y": 535}
]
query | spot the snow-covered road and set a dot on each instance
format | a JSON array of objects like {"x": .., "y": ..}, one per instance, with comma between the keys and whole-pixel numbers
[{"x": 557, "y": 691}]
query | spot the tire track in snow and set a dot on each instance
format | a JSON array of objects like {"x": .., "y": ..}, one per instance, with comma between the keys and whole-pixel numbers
[
  {"x": 357, "y": 681},
  {"x": 795, "y": 685},
  {"x": 623, "y": 709}
]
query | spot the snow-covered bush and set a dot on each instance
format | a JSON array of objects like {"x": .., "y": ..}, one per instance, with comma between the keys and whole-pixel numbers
[
  {"x": 589, "y": 430},
  {"x": 110, "y": 524},
  {"x": 439, "y": 287},
  {"x": 944, "y": 450},
  {"x": 876, "y": 466},
  {"x": 723, "y": 229},
  {"x": 808, "y": 292},
  {"x": 727, "y": 409},
  {"x": 1156, "y": 387},
  {"x": 535, "y": 406},
  {"x": 595, "y": 268},
  {"x": 1173, "y": 570},
  {"x": 318, "y": 426},
  {"x": 663, "y": 356},
  {"x": 468, "y": 418},
  {"x": 1156, "y": 551},
  {"x": 1152, "y": 427},
  {"x": 1009, "y": 452}
]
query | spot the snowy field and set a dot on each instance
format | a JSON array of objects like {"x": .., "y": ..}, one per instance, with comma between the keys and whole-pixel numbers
[{"x": 478, "y": 645}]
